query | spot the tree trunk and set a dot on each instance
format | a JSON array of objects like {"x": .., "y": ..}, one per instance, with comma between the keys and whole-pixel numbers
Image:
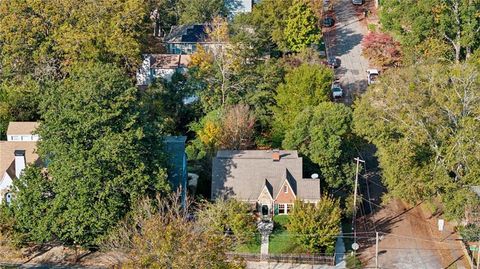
[{"x": 469, "y": 52}]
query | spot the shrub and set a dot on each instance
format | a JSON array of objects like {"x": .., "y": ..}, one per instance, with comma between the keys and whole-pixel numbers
[
  {"x": 470, "y": 233},
  {"x": 353, "y": 262},
  {"x": 381, "y": 49}
]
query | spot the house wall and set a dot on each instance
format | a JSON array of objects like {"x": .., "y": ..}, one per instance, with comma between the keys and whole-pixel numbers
[
  {"x": 265, "y": 198},
  {"x": 166, "y": 74},
  {"x": 181, "y": 48},
  {"x": 143, "y": 75},
  {"x": 5, "y": 184},
  {"x": 283, "y": 197}
]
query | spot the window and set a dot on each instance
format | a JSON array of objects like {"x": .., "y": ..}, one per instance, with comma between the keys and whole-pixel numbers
[
  {"x": 26, "y": 138},
  {"x": 15, "y": 138},
  {"x": 289, "y": 208},
  {"x": 285, "y": 188},
  {"x": 281, "y": 209}
]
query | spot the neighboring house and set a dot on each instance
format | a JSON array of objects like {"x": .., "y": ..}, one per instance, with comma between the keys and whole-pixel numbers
[
  {"x": 15, "y": 153},
  {"x": 177, "y": 171},
  {"x": 244, "y": 6},
  {"x": 163, "y": 66},
  {"x": 271, "y": 180},
  {"x": 184, "y": 39}
]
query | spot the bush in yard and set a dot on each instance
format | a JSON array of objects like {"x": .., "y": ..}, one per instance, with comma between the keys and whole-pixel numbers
[
  {"x": 470, "y": 233},
  {"x": 160, "y": 233},
  {"x": 353, "y": 262},
  {"x": 381, "y": 49},
  {"x": 315, "y": 226},
  {"x": 231, "y": 215}
]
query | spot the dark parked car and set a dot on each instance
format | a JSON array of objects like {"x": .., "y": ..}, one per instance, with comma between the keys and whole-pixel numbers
[
  {"x": 334, "y": 63},
  {"x": 328, "y": 22}
]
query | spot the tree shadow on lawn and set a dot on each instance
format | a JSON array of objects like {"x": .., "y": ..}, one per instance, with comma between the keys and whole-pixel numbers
[{"x": 282, "y": 241}]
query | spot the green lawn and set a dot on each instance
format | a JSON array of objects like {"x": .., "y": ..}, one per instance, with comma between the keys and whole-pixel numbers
[
  {"x": 254, "y": 247},
  {"x": 281, "y": 241}
]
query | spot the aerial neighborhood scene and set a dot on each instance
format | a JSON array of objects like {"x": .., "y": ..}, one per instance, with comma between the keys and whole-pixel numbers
[{"x": 231, "y": 134}]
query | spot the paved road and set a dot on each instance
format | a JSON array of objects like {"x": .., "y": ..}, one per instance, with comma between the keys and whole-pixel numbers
[{"x": 344, "y": 41}]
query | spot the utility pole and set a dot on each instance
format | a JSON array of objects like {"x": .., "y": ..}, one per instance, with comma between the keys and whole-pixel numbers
[
  {"x": 376, "y": 251},
  {"x": 478, "y": 257},
  {"x": 355, "y": 200}
]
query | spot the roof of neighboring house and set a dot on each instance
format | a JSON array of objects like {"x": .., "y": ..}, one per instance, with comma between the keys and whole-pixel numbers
[
  {"x": 21, "y": 127},
  {"x": 7, "y": 157},
  {"x": 193, "y": 33},
  {"x": 169, "y": 61},
  {"x": 243, "y": 174}
]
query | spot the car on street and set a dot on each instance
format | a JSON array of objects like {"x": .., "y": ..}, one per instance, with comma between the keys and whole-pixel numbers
[
  {"x": 357, "y": 2},
  {"x": 334, "y": 62},
  {"x": 328, "y": 22},
  {"x": 372, "y": 75},
  {"x": 337, "y": 91}
]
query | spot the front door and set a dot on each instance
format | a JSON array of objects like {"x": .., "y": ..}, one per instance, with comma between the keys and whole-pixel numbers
[{"x": 265, "y": 210}]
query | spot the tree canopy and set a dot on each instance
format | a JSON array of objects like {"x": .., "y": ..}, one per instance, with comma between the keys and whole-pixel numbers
[
  {"x": 101, "y": 151},
  {"x": 44, "y": 38},
  {"x": 424, "y": 122},
  {"x": 455, "y": 23},
  {"x": 323, "y": 134},
  {"x": 301, "y": 30},
  {"x": 316, "y": 226},
  {"x": 307, "y": 85}
]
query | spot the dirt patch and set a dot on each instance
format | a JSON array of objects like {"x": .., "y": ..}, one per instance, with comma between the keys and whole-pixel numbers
[
  {"x": 60, "y": 255},
  {"x": 410, "y": 239}
]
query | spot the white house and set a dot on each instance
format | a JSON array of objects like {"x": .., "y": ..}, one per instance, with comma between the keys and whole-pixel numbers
[
  {"x": 16, "y": 153},
  {"x": 163, "y": 66}
]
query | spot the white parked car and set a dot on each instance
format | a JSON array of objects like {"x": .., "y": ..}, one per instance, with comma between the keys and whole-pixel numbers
[
  {"x": 372, "y": 75},
  {"x": 337, "y": 91}
]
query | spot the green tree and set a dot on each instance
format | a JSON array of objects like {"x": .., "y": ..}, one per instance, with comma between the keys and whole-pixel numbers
[
  {"x": 307, "y": 85},
  {"x": 159, "y": 234},
  {"x": 323, "y": 134},
  {"x": 33, "y": 219},
  {"x": 102, "y": 151},
  {"x": 269, "y": 20},
  {"x": 315, "y": 226},
  {"x": 108, "y": 31},
  {"x": 19, "y": 101},
  {"x": 164, "y": 14},
  {"x": 456, "y": 22},
  {"x": 301, "y": 30},
  {"x": 423, "y": 121},
  {"x": 203, "y": 11},
  {"x": 224, "y": 215}
]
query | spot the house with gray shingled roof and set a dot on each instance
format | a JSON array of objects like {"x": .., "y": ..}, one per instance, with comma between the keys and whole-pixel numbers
[{"x": 271, "y": 180}]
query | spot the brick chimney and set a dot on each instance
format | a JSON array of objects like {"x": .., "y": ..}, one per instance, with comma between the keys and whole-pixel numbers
[
  {"x": 19, "y": 162},
  {"x": 276, "y": 155}
]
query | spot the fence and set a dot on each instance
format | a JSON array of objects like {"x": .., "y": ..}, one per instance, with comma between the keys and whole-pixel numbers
[{"x": 287, "y": 258}]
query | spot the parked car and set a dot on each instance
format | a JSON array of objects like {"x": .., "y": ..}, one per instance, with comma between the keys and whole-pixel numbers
[
  {"x": 372, "y": 75},
  {"x": 357, "y": 2},
  {"x": 337, "y": 91},
  {"x": 334, "y": 62},
  {"x": 328, "y": 22}
]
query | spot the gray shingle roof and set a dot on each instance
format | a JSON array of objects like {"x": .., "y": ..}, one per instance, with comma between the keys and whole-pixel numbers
[{"x": 242, "y": 174}]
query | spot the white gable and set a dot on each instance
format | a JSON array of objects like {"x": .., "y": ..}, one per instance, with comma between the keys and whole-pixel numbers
[{"x": 6, "y": 182}]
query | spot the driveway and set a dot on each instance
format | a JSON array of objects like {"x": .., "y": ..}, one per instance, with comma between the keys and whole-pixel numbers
[
  {"x": 410, "y": 239},
  {"x": 344, "y": 41}
]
